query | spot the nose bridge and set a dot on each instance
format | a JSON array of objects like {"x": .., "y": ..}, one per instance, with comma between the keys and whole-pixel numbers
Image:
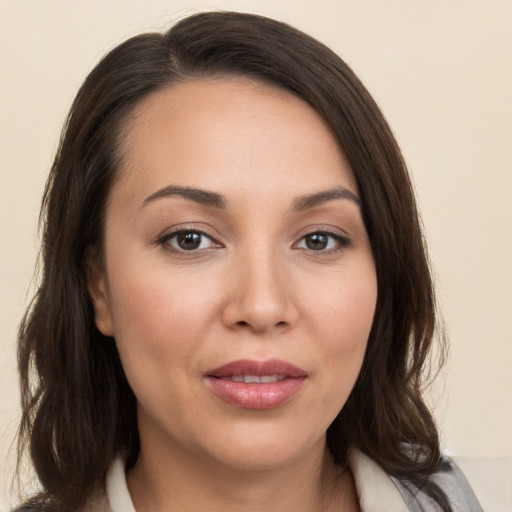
[{"x": 261, "y": 297}]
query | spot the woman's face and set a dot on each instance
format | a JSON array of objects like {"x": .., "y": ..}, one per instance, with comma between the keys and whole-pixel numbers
[{"x": 238, "y": 279}]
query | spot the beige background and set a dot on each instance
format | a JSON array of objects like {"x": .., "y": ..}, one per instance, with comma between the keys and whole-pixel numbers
[{"x": 442, "y": 73}]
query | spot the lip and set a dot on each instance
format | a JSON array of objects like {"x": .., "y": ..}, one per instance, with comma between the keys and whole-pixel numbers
[{"x": 257, "y": 396}]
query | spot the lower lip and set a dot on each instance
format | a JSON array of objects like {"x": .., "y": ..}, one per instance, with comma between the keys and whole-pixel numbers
[{"x": 255, "y": 396}]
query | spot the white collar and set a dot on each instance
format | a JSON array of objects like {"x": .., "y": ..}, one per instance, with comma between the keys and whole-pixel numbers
[
  {"x": 376, "y": 491},
  {"x": 118, "y": 495}
]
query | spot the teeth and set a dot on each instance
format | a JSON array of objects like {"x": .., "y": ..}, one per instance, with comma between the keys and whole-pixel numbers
[
  {"x": 255, "y": 379},
  {"x": 269, "y": 378}
]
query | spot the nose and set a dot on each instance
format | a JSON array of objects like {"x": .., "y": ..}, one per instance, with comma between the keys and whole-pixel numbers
[{"x": 260, "y": 297}]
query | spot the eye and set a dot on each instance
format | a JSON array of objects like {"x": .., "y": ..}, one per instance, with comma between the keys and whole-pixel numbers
[
  {"x": 322, "y": 241},
  {"x": 188, "y": 240}
]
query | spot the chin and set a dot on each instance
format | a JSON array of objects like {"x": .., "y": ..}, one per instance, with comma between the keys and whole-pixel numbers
[{"x": 264, "y": 449}]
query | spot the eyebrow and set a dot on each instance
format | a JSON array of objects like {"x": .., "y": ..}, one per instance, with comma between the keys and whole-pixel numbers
[
  {"x": 311, "y": 200},
  {"x": 215, "y": 200},
  {"x": 197, "y": 195}
]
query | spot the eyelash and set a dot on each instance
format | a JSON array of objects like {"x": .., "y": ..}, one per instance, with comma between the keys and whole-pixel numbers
[{"x": 342, "y": 242}]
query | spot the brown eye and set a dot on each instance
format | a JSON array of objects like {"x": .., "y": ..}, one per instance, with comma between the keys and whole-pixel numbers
[
  {"x": 188, "y": 241},
  {"x": 322, "y": 241},
  {"x": 316, "y": 241}
]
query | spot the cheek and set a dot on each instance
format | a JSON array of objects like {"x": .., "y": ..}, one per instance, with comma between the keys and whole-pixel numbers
[
  {"x": 158, "y": 316},
  {"x": 343, "y": 318},
  {"x": 345, "y": 306},
  {"x": 159, "y": 323}
]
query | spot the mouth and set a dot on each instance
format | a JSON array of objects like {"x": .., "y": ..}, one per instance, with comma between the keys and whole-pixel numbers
[{"x": 256, "y": 385}]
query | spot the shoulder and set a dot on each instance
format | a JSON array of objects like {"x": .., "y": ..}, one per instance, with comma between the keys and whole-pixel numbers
[
  {"x": 381, "y": 492},
  {"x": 451, "y": 481},
  {"x": 32, "y": 505},
  {"x": 98, "y": 502}
]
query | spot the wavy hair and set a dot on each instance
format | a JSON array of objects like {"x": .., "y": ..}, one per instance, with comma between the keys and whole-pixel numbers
[{"x": 79, "y": 412}]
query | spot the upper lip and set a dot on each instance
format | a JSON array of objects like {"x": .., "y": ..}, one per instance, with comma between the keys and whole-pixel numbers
[{"x": 257, "y": 368}]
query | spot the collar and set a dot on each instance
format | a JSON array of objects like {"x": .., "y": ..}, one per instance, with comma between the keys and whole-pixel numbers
[
  {"x": 118, "y": 495},
  {"x": 375, "y": 489}
]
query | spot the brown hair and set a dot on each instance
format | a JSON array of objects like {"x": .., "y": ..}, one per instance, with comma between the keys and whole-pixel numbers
[{"x": 79, "y": 412}]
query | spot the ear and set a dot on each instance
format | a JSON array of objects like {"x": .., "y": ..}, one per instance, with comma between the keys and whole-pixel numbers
[{"x": 98, "y": 290}]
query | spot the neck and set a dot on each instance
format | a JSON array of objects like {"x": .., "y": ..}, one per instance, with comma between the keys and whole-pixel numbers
[{"x": 172, "y": 481}]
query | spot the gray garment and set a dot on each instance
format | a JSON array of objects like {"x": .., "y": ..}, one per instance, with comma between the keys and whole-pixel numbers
[{"x": 452, "y": 481}]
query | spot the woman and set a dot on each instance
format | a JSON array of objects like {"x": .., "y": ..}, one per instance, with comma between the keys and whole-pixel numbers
[{"x": 236, "y": 308}]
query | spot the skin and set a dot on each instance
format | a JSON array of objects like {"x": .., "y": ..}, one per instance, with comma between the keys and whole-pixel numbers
[{"x": 254, "y": 289}]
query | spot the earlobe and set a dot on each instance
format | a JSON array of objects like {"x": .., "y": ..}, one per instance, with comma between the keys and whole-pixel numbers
[{"x": 98, "y": 291}]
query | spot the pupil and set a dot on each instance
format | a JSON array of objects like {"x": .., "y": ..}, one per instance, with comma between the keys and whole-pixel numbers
[
  {"x": 189, "y": 241},
  {"x": 316, "y": 242}
]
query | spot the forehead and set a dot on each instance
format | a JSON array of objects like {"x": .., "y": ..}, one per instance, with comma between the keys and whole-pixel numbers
[{"x": 235, "y": 135}]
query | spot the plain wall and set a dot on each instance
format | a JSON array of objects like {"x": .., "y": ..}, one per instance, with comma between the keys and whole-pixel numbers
[{"x": 442, "y": 73}]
